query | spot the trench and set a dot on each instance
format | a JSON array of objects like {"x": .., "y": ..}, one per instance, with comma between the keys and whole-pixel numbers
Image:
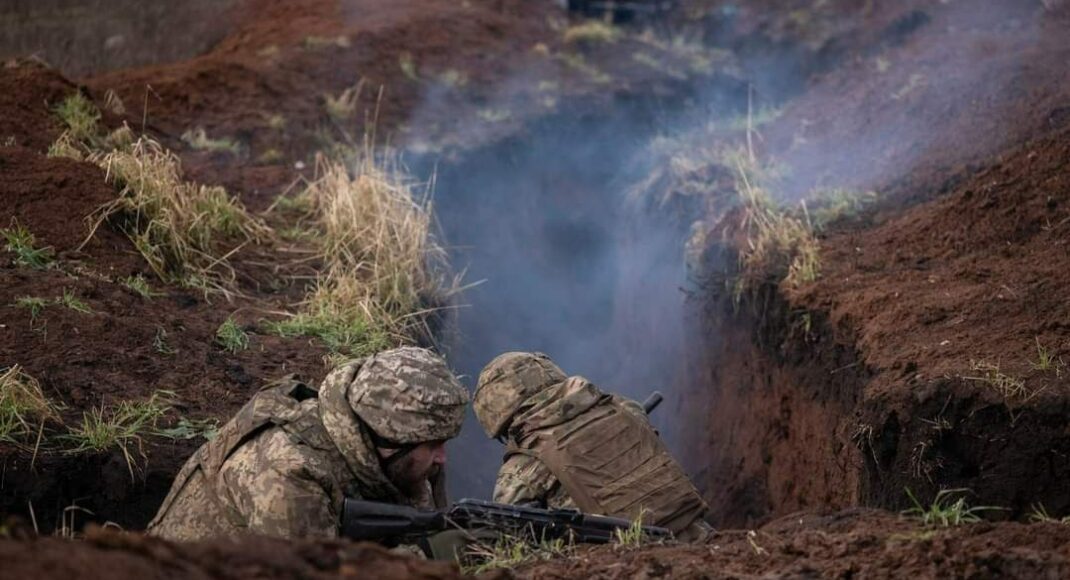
[{"x": 567, "y": 263}]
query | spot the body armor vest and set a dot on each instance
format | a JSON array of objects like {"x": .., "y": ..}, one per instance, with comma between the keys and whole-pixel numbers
[{"x": 613, "y": 463}]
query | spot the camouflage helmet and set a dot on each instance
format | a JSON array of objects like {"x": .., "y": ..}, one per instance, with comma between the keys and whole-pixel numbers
[
  {"x": 405, "y": 396},
  {"x": 509, "y": 380},
  {"x": 408, "y": 395}
]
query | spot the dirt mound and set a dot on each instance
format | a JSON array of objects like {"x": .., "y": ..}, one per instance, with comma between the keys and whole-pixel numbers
[
  {"x": 127, "y": 346},
  {"x": 929, "y": 352},
  {"x": 108, "y": 554},
  {"x": 957, "y": 310},
  {"x": 967, "y": 83},
  {"x": 857, "y": 544},
  {"x": 27, "y": 90}
]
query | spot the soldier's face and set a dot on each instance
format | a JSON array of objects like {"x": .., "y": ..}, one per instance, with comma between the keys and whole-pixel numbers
[{"x": 423, "y": 462}]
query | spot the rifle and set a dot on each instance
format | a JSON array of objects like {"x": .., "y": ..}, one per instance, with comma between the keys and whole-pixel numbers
[{"x": 394, "y": 524}]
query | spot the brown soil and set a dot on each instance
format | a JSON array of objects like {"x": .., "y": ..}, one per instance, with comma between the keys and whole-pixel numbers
[
  {"x": 85, "y": 361},
  {"x": 852, "y": 544},
  {"x": 30, "y": 90},
  {"x": 852, "y": 389},
  {"x": 475, "y": 78},
  {"x": 109, "y": 554}
]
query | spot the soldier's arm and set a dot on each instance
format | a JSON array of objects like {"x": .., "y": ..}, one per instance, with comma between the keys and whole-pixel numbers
[
  {"x": 289, "y": 505},
  {"x": 272, "y": 485},
  {"x": 524, "y": 480}
]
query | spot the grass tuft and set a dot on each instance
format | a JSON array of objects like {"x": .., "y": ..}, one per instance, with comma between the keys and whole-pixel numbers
[
  {"x": 160, "y": 344},
  {"x": 342, "y": 107},
  {"x": 592, "y": 32},
  {"x": 779, "y": 245},
  {"x": 140, "y": 286},
  {"x": 1046, "y": 359},
  {"x": 231, "y": 337},
  {"x": 632, "y": 536},
  {"x": 81, "y": 118},
  {"x": 1008, "y": 387},
  {"x": 509, "y": 551},
  {"x": 1040, "y": 515},
  {"x": 177, "y": 226},
  {"x": 32, "y": 303},
  {"x": 122, "y": 427},
  {"x": 946, "y": 510},
  {"x": 384, "y": 270},
  {"x": 24, "y": 408},
  {"x": 69, "y": 300},
  {"x": 22, "y": 243},
  {"x": 199, "y": 140}
]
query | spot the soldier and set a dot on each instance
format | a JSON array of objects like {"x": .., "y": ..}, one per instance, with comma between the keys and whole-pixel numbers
[
  {"x": 376, "y": 430},
  {"x": 568, "y": 444}
]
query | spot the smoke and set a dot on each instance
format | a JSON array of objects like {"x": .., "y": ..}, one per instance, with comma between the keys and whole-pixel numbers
[
  {"x": 566, "y": 268},
  {"x": 570, "y": 267}
]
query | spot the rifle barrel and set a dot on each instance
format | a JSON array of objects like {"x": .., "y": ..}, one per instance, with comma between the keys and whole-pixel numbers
[{"x": 652, "y": 402}]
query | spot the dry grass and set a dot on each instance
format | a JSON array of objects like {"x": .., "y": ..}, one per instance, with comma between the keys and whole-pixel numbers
[
  {"x": 199, "y": 140},
  {"x": 508, "y": 552},
  {"x": 384, "y": 271},
  {"x": 342, "y": 107},
  {"x": 185, "y": 231},
  {"x": 24, "y": 408},
  {"x": 592, "y": 32},
  {"x": 779, "y": 245}
]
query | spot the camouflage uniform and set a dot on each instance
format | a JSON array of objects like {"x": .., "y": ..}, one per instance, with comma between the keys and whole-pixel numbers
[
  {"x": 283, "y": 465},
  {"x": 527, "y": 400},
  {"x": 523, "y": 479}
]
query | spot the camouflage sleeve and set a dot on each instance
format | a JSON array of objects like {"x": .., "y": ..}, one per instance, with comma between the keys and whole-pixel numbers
[
  {"x": 270, "y": 484},
  {"x": 523, "y": 479}
]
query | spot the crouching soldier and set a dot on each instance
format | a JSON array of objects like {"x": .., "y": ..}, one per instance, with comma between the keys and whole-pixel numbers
[
  {"x": 568, "y": 444},
  {"x": 375, "y": 430}
]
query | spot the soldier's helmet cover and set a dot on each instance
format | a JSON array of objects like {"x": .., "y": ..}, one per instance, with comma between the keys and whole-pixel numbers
[
  {"x": 406, "y": 396},
  {"x": 506, "y": 382}
]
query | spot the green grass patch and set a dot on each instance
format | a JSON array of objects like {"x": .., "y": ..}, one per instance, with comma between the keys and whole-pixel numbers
[
  {"x": 344, "y": 331},
  {"x": 23, "y": 244},
  {"x": 140, "y": 286},
  {"x": 69, "y": 300},
  {"x": 186, "y": 232},
  {"x": 33, "y": 304},
  {"x": 948, "y": 508},
  {"x": 509, "y": 551},
  {"x": 121, "y": 427},
  {"x": 1046, "y": 359},
  {"x": 231, "y": 337},
  {"x": 81, "y": 118}
]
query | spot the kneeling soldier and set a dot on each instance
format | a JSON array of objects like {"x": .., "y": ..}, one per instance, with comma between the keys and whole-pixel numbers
[{"x": 568, "y": 444}]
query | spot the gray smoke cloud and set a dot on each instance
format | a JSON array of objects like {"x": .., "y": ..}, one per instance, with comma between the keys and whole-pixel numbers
[{"x": 574, "y": 269}]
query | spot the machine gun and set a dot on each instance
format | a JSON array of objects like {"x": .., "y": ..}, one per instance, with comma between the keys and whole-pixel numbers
[{"x": 393, "y": 524}]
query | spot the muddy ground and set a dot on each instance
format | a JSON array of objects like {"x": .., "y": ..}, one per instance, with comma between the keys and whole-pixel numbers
[{"x": 841, "y": 392}]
